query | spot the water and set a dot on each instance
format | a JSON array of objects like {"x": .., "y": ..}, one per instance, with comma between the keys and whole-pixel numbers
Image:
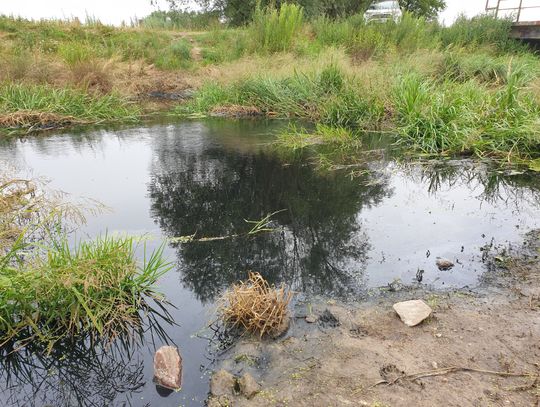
[{"x": 338, "y": 235}]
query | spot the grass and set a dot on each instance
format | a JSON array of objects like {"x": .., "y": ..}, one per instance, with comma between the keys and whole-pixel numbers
[
  {"x": 52, "y": 290},
  {"x": 23, "y": 106},
  {"x": 464, "y": 89},
  {"x": 275, "y": 30},
  {"x": 464, "y": 104},
  {"x": 95, "y": 286}
]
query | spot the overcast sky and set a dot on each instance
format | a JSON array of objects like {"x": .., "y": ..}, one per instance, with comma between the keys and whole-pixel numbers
[{"x": 116, "y": 11}]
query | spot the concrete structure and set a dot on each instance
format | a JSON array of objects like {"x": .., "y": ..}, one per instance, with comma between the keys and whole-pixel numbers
[{"x": 525, "y": 13}]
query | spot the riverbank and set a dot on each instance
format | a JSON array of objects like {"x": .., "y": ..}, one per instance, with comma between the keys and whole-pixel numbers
[
  {"x": 461, "y": 90},
  {"x": 478, "y": 348}
]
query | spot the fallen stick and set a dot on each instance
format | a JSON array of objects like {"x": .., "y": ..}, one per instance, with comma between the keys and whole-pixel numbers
[{"x": 452, "y": 369}]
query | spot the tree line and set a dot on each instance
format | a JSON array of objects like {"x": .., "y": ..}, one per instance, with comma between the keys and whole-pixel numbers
[{"x": 240, "y": 12}]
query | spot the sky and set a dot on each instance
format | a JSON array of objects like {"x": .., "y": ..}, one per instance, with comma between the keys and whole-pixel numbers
[{"x": 116, "y": 11}]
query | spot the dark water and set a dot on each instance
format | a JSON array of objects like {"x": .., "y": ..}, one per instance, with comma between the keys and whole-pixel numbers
[{"x": 338, "y": 235}]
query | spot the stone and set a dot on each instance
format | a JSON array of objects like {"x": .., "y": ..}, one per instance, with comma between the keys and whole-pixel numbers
[
  {"x": 168, "y": 368},
  {"x": 444, "y": 264},
  {"x": 222, "y": 383},
  {"x": 310, "y": 319},
  {"x": 248, "y": 386},
  {"x": 412, "y": 312}
]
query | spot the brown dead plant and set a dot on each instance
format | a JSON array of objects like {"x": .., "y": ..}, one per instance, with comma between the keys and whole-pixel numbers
[
  {"x": 236, "y": 111},
  {"x": 256, "y": 307},
  {"x": 32, "y": 120}
]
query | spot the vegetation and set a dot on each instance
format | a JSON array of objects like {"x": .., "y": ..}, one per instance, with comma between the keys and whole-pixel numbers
[
  {"x": 463, "y": 89},
  {"x": 53, "y": 290},
  {"x": 241, "y": 12}
]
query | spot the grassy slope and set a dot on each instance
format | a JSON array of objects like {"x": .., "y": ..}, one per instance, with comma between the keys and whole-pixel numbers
[{"x": 466, "y": 89}]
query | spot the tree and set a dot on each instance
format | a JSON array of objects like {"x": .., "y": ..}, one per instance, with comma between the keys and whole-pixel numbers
[
  {"x": 240, "y": 12},
  {"x": 423, "y": 8}
]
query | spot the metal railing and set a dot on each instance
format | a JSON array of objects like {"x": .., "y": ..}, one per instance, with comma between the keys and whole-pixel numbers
[{"x": 506, "y": 8}]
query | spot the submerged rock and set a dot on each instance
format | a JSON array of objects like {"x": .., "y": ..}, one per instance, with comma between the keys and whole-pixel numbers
[
  {"x": 444, "y": 264},
  {"x": 412, "y": 312},
  {"x": 168, "y": 368},
  {"x": 222, "y": 383},
  {"x": 248, "y": 386}
]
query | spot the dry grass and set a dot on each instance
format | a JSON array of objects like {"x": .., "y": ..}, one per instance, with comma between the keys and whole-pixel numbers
[
  {"x": 255, "y": 306},
  {"x": 236, "y": 111},
  {"x": 276, "y": 66},
  {"x": 31, "y": 120}
]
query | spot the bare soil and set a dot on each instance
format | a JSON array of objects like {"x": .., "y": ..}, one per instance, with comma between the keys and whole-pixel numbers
[{"x": 365, "y": 360}]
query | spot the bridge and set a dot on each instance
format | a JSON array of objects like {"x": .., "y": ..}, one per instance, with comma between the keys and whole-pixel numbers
[{"x": 524, "y": 13}]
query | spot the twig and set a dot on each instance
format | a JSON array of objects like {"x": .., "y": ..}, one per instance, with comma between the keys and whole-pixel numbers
[{"x": 452, "y": 369}]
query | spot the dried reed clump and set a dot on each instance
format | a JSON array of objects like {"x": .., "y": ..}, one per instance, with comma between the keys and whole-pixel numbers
[
  {"x": 257, "y": 307},
  {"x": 35, "y": 120},
  {"x": 235, "y": 111}
]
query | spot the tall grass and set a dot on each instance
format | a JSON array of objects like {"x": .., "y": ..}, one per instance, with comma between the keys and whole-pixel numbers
[
  {"x": 468, "y": 117},
  {"x": 51, "y": 290},
  {"x": 275, "y": 30},
  {"x": 328, "y": 96},
  {"x": 433, "y": 115},
  {"x": 94, "y": 287},
  {"x": 66, "y": 102},
  {"x": 484, "y": 30}
]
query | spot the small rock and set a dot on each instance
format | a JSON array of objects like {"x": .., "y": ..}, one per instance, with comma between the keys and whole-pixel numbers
[
  {"x": 435, "y": 365},
  {"x": 412, "y": 312},
  {"x": 444, "y": 264},
  {"x": 310, "y": 319},
  {"x": 328, "y": 319},
  {"x": 248, "y": 386},
  {"x": 222, "y": 383},
  {"x": 168, "y": 368}
]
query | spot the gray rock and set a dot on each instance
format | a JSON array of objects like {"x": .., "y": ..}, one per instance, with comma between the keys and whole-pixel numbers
[
  {"x": 248, "y": 386},
  {"x": 412, "y": 312},
  {"x": 168, "y": 368},
  {"x": 222, "y": 383},
  {"x": 444, "y": 264}
]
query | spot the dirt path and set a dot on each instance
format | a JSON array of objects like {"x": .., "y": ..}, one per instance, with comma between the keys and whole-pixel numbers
[{"x": 323, "y": 365}]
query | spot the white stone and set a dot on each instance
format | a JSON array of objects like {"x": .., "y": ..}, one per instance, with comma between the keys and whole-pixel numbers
[{"x": 412, "y": 312}]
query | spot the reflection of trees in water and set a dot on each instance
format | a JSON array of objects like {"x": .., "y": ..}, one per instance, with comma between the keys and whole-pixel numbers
[
  {"x": 76, "y": 374},
  {"x": 320, "y": 246},
  {"x": 494, "y": 185}
]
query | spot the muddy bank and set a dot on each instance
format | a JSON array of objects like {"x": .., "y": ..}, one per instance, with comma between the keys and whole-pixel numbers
[{"x": 478, "y": 348}]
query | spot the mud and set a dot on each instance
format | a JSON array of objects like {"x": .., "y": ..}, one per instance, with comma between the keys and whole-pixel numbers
[{"x": 480, "y": 348}]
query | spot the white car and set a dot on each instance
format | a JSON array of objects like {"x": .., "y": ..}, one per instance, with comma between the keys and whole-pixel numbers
[{"x": 382, "y": 11}]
